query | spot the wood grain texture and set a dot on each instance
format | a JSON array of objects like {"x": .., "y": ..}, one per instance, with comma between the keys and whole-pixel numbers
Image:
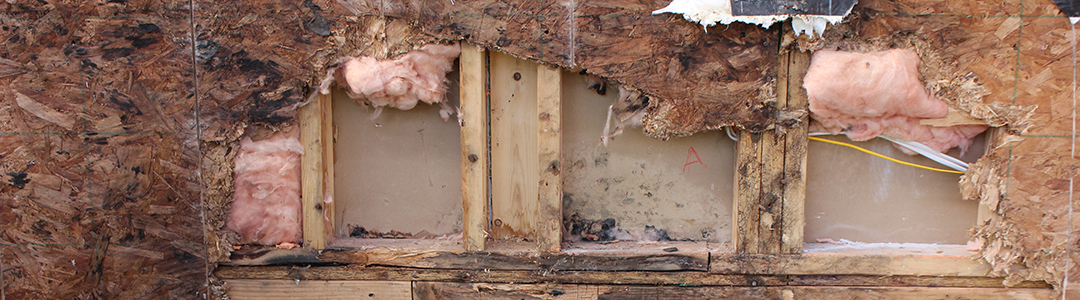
[
  {"x": 549, "y": 143},
  {"x": 443, "y": 255},
  {"x": 794, "y": 182},
  {"x": 440, "y": 290},
  {"x": 313, "y": 172},
  {"x": 474, "y": 145},
  {"x": 884, "y": 261},
  {"x": 515, "y": 171},
  {"x": 329, "y": 145},
  {"x": 746, "y": 214},
  {"x": 318, "y": 289}
]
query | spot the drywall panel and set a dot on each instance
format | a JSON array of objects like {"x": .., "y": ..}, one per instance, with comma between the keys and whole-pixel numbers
[
  {"x": 400, "y": 171},
  {"x": 855, "y": 196},
  {"x": 682, "y": 186}
]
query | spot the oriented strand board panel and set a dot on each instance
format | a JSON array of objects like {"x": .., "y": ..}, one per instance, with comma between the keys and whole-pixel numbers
[
  {"x": 400, "y": 171},
  {"x": 241, "y": 289},
  {"x": 682, "y": 186},
  {"x": 705, "y": 80},
  {"x": 856, "y": 196}
]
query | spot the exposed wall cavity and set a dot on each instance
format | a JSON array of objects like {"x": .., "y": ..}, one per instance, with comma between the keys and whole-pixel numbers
[
  {"x": 266, "y": 205},
  {"x": 865, "y": 95},
  {"x": 419, "y": 75}
]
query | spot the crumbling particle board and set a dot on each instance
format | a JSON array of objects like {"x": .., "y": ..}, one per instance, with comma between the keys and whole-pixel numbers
[
  {"x": 241, "y": 289},
  {"x": 703, "y": 79},
  {"x": 474, "y": 146}
]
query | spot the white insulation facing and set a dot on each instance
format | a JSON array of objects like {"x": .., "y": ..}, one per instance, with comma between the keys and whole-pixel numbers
[{"x": 710, "y": 12}]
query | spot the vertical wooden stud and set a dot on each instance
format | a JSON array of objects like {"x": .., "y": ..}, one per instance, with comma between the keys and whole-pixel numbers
[
  {"x": 794, "y": 219},
  {"x": 747, "y": 192},
  {"x": 474, "y": 146},
  {"x": 312, "y": 176},
  {"x": 770, "y": 203},
  {"x": 549, "y": 111},
  {"x": 514, "y": 158},
  {"x": 328, "y": 144}
]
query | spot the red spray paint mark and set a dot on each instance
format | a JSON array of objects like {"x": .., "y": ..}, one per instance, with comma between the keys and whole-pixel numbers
[{"x": 697, "y": 159}]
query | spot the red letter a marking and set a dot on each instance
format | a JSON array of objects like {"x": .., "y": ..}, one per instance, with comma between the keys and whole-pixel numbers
[{"x": 697, "y": 159}]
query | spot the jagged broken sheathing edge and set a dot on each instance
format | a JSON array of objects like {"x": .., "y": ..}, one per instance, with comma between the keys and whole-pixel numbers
[
  {"x": 711, "y": 12},
  {"x": 987, "y": 179}
]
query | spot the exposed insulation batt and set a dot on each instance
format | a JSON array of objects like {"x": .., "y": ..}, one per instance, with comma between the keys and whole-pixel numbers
[
  {"x": 266, "y": 206},
  {"x": 864, "y": 95},
  {"x": 419, "y": 75}
]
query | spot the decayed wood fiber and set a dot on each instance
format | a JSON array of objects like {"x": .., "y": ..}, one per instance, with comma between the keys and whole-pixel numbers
[
  {"x": 1011, "y": 71},
  {"x": 99, "y": 164},
  {"x": 702, "y": 80}
]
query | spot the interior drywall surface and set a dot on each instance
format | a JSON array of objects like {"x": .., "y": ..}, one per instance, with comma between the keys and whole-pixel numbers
[
  {"x": 638, "y": 180},
  {"x": 855, "y": 196},
  {"x": 400, "y": 172}
]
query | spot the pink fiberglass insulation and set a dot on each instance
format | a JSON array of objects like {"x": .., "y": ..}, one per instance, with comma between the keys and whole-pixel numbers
[
  {"x": 865, "y": 95},
  {"x": 419, "y": 75},
  {"x": 266, "y": 205}
]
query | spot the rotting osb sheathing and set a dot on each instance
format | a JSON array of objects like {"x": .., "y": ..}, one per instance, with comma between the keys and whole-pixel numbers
[
  {"x": 115, "y": 172},
  {"x": 986, "y": 68},
  {"x": 97, "y": 111},
  {"x": 703, "y": 79},
  {"x": 257, "y": 69}
]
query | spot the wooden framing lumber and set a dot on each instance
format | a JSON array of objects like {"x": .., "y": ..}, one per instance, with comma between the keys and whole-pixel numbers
[
  {"x": 794, "y": 183},
  {"x": 549, "y": 143},
  {"x": 313, "y": 170},
  {"x": 745, "y": 214},
  {"x": 474, "y": 146},
  {"x": 241, "y": 289},
  {"x": 445, "y": 290},
  {"x": 514, "y": 158},
  {"x": 682, "y": 278},
  {"x": 863, "y": 260},
  {"x": 674, "y": 256}
]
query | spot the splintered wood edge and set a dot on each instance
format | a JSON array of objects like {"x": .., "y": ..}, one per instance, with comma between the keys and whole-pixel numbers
[
  {"x": 312, "y": 173},
  {"x": 676, "y": 256},
  {"x": 747, "y": 189},
  {"x": 794, "y": 217},
  {"x": 549, "y": 113},
  {"x": 474, "y": 158},
  {"x": 952, "y": 119}
]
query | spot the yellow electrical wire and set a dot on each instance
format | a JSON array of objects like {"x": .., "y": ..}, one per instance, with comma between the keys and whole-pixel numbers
[{"x": 883, "y": 156}]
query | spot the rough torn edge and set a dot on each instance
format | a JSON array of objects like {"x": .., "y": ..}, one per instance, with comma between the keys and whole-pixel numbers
[{"x": 986, "y": 180}]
